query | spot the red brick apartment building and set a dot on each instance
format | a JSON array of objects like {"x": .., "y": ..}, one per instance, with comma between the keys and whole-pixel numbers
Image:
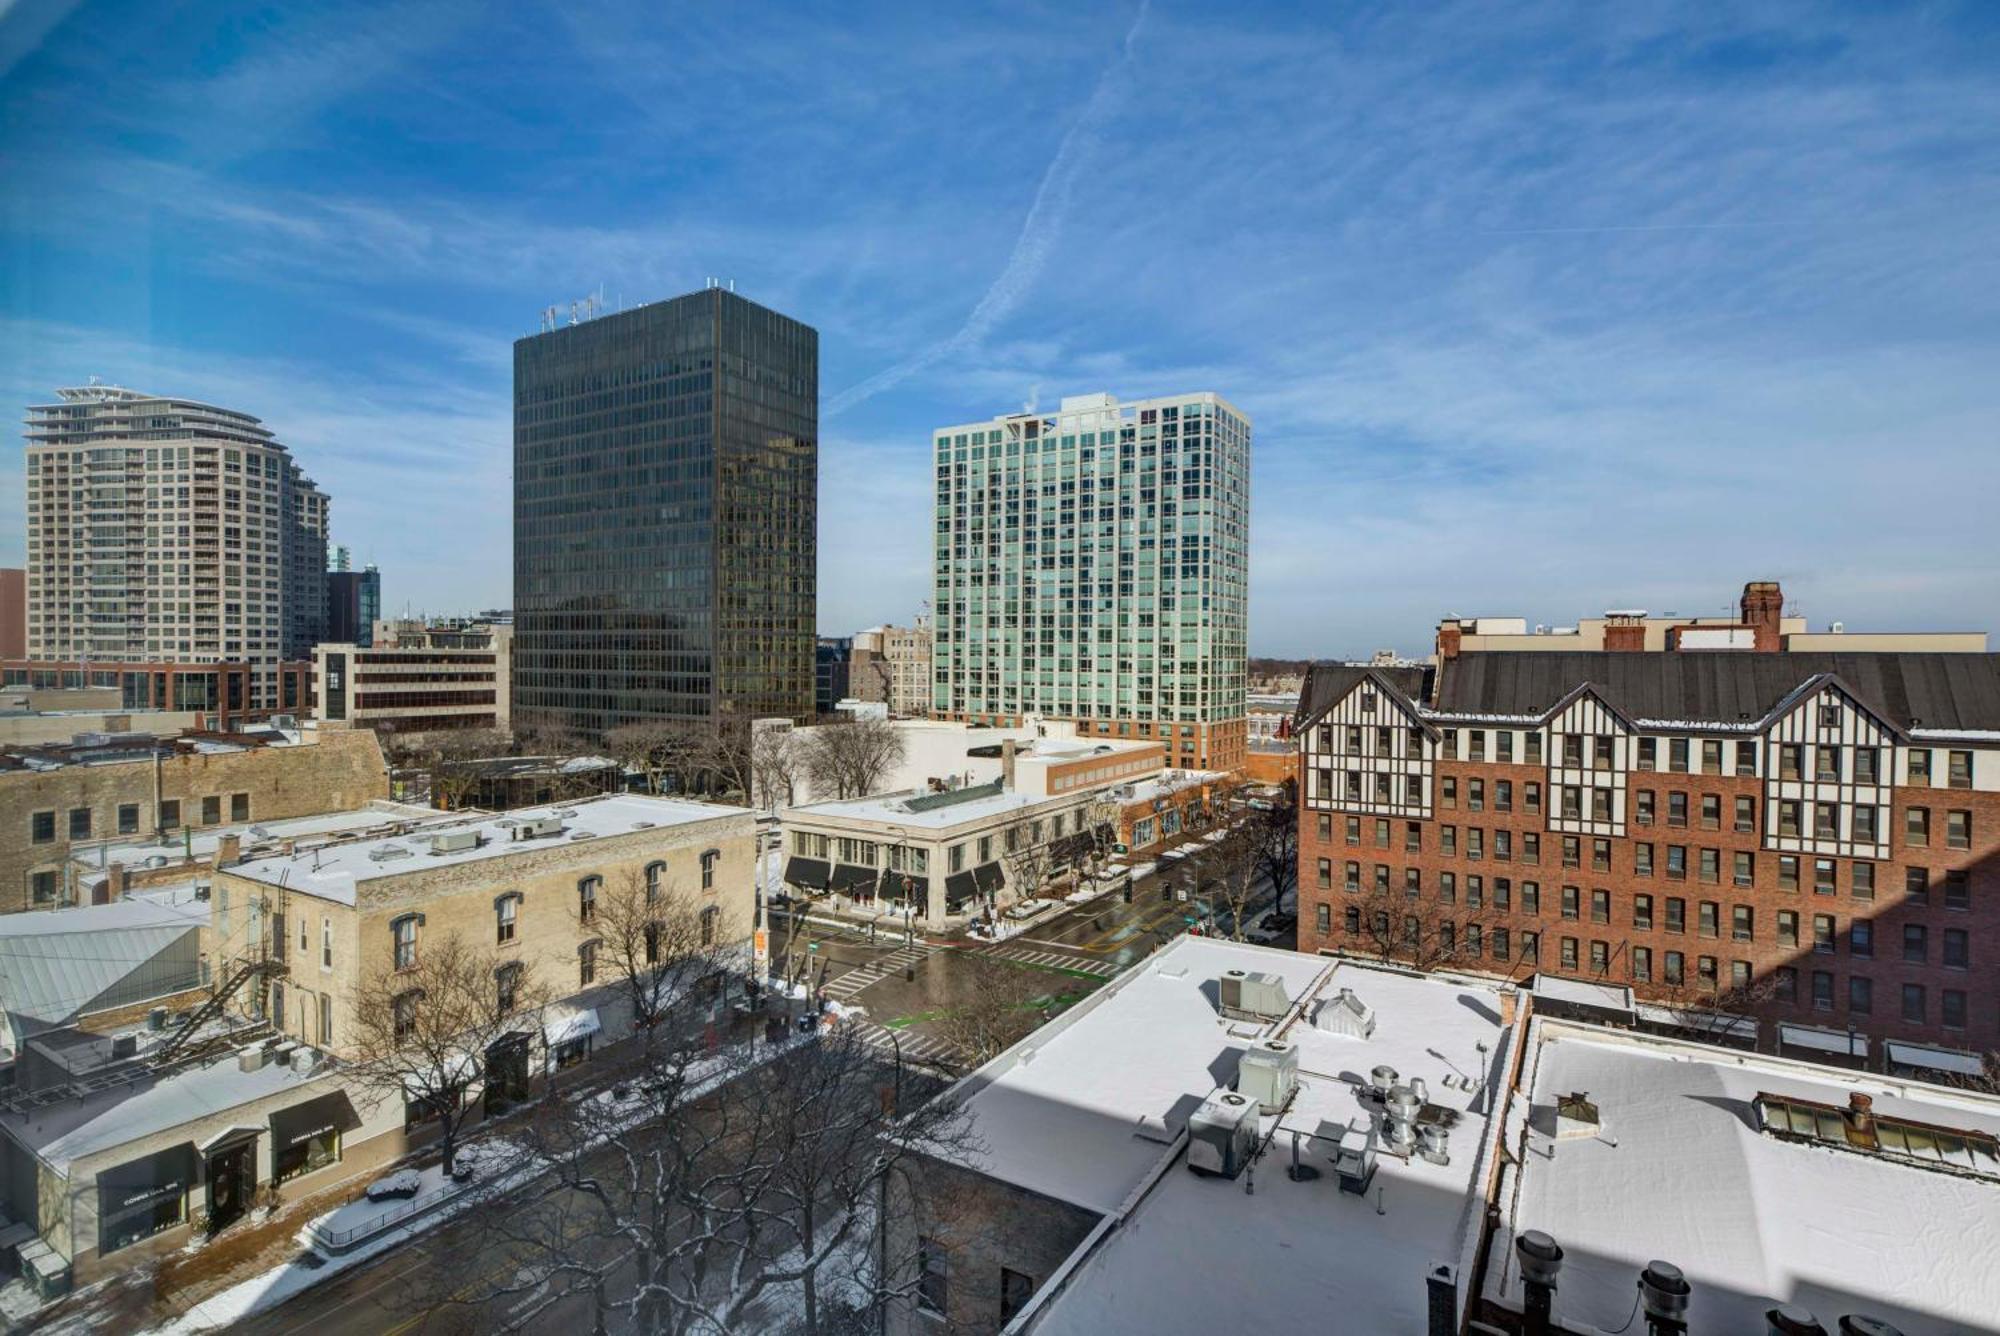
[{"x": 1806, "y": 839}]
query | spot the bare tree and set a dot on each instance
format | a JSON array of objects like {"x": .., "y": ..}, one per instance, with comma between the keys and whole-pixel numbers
[
  {"x": 423, "y": 1031},
  {"x": 1236, "y": 874},
  {"x": 452, "y": 760},
  {"x": 547, "y": 737},
  {"x": 1277, "y": 837},
  {"x": 1427, "y": 935},
  {"x": 852, "y": 759},
  {"x": 728, "y": 758},
  {"x": 1000, "y": 1006},
  {"x": 659, "y": 943},
  {"x": 1028, "y": 849},
  {"x": 778, "y": 762},
  {"x": 747, "y": 1189},
  {"x": 1100, "y": 818},
  {"x": 657, "y": 748}
]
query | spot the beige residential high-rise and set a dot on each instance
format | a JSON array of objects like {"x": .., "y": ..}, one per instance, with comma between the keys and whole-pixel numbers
[
  {"x": 166, "y": 530},
  {"x": 892, "y": 664}
]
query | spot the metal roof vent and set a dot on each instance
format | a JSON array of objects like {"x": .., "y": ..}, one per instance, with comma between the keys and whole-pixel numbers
[
  {"x": 387, "y": 853},
  {"x": 582, "y": 834}
]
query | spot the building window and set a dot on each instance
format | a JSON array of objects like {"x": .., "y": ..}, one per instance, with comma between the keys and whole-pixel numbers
[
  {"x": 1860, "y": 994},
  {"x": 79, "y": 823},
  {"x": 1677, "y": 755},
  {"x": 1917, "y": 826},
  {"x": 1822, "y": 990},
  {"x": 507, "y": 987},
  {"x": 403, "y": 931},
  {"x": 1675, "y": 971},
  {"x": 1861, "y": 881},
  {"x": 42, "y": 828},
  {"x": 1711, "y": 757},
  {"x": 932, "y": 1278},
  {"x": 1957, "y": 949},
  {"x": 1677, "y": 808},
  {"x": 1711, "y": 811},
  {"x": 506, "y": 910},
  {"x": 586, "y": 964},
  {"x": 1953, "y": 1008},
  {"x": 1958, "y": 829},
  {"x": 1600, "y": 906},
  {"x": 1568, "y": 953},
  {"x": 1746, "y": 758},
  {"x": 1826, "y": 876},
  {"x": 710, "y": 915},
  {"x": 1917, "y": 885},
  {"x": 1744, "y": 869},
  {"x": 1015, "y": 1290},
  {"x": 1861, "y": 939},
  {"x": 325, "y": 1019},
  {"x": 1323, "y": 918},
  {"x": 239, "y": 807},
  {"x": 1915, "y": 1008},
  {"x": 403, "y": 1013},
  {"x": 42, "y": 886},
  {"x": 1958, "y": 890},
  {"x": 1676, "y": 914},
  {"x": 1742, "y": 923},
  {"x": 1867, "y": 765},
  {"x": 1787, "y": 978},
  {"x": 1865, "y": 825},
  {"x": 326, "y": 943},
  {"x": 1826, "y": 764},
  {"x": 1746, "y": 815},
  {"x": 1920, "y": 766},
  {"x": 655, "y": 881},
  {"x": 1788, "y": 927},
  {"x": 1642, "y": 860},
  {"x": 1823, "y": 934},
  {"x": 1708, "y": 921},
  {"x": 1788, "y": 872},
  {"x": 1958, "y": 769},
  {"x": 1642, "y": 912},
  {"x": 211, "y": 810},
  {"x": 1350, "y": 919},
  {"x": 1916, "y": 943},
  {"x": 586, "y": 898},
  {"x": 128, "y": 818}
]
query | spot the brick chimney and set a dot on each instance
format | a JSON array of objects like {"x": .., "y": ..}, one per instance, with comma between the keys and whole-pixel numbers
[
  {"x": 1449, "y": 634},
  {"x": 1624, "y": 632},
  {"x": 1762, "y": 608},
  {"x": 112, "y": 887},
  {"x": 1007, "y": 763},
  {"x": 229, "y": 850}
]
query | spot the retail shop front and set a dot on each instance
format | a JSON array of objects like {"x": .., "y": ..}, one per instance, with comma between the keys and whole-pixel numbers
[
  {"x": 307, "y": 1137},
  {"x": 144, "y": 1197}
]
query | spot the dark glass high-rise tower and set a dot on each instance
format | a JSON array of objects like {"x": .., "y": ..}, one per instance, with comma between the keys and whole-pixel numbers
[{"x": 666, "y": 466}]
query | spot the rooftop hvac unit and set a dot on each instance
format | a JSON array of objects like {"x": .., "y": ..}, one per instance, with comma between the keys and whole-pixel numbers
[
  {"x": 252, "y": 1059},
  {"x": 156, "y": 1019},
  {"x": 384, "y": 853},
  {"x": 124, "y": 1046},
  {"x": 454, "y": 841},
  {"x": 539, "y": 829},
  {"x": 304, "y": 1059},
  {"x": 1354, "y": 1155},
  {"x": 1269, "y": 1073},
  {"x": 1344, "y": 1014},
  {"x": 1252, "y": 995},
  {"x": 1222, "y": 1133}
]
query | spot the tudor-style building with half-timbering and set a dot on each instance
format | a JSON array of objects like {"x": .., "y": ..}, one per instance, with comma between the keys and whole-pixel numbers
[{"x": 1802, "y": 849}]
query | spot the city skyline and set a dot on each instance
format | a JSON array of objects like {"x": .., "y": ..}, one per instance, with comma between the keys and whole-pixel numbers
[{"x": 1537, "y": 338}]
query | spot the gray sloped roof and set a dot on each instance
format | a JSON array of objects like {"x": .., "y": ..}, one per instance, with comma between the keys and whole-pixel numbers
[
  {"x": 1327, "y": 682},
  {"x": 1921, "y": 690},
  {"x": 58, "y": 964}
]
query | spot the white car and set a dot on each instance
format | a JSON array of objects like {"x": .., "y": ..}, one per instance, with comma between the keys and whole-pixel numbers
[{"x": 1260, "y": 930}]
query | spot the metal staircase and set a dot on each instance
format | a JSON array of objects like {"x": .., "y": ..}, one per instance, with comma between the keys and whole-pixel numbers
[{"x": 178, "y": 1046}]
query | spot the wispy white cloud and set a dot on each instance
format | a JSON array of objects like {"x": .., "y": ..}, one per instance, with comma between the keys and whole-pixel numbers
[{"x": 1039, "y": 233}]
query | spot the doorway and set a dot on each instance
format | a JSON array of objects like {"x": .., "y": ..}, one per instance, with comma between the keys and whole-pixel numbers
[{"x": 232, "y": 1182}]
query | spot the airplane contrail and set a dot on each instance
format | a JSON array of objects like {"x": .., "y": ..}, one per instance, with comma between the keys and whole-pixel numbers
[{"x": 1031, "y": 248}]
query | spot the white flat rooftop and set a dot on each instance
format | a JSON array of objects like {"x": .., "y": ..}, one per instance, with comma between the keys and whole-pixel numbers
[
  {"x": 1201, "y": 1253},
  {"x": 889, "y": 808},
  {"x": 1681, "y": 1172},
  {"x": 138, "y": 853},
  {"x": 66, "y": 1133},
  {"x": 332, "y": 872}
]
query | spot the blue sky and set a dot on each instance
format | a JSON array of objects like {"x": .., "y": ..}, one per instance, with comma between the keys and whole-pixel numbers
[{"x": 1537, "y": 309}]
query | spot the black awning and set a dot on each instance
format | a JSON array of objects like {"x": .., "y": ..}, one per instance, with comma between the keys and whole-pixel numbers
[
  {"x": 958, "y": 888},
  {"x": 848, "y": 877},
  {"x": 330, "y": 1112},
  {"x": 148, "y": 1179},
  {"x": 1070, "y": 848},
  {"x": 807, "y": 873},
  {"x": 988, "y": 877}
]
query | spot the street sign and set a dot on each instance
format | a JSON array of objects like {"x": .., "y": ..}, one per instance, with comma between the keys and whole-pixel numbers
[
  {"x": 812, "y": 946},
  {"x": 760, "y": 950}
]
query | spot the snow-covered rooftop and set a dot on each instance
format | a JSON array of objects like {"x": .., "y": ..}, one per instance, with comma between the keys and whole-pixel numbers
[
  {"x": 893, "y": 809},
  {"x": 1200, "y": 1253},
  {"x": 62, "y": 1134},
  {"x": 1681, "y": 1172},
  {"x": 332, "y": 872},
  {"x": 140, "y": 852}
]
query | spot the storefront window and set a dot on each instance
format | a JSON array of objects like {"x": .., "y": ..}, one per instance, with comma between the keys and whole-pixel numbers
[
  {"x": 138, "y": 1200},
  {"x": 310, "y": 1153}
]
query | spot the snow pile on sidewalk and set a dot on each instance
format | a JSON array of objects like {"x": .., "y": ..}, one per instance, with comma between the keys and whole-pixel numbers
[{"x": 502, "y": 1167}]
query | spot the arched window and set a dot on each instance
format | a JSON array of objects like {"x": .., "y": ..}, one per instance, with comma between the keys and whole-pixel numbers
[
  {"x": 506, "y": 915},
  {"x": 656, "y": 875},
  {"x": 507, "y": 986},
  {"x": 586, "y": 963},
  {"x": 709, "y": 918},
  {"x": 403, "y": 1007},
  {"x": 403, "y": 931},
  {"x": 708, "y": 862},
  {"x": 586, "y": 898}
]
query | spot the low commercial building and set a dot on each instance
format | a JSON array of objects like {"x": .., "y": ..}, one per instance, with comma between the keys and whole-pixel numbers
[
  {"x": 56, "y": 799},
  {"x": 949, "y": 856},
  {"x": 525, "y": 887},
  {"x": 1156, "y": 813},
  {"x": 891, "y": 665},
  {"x": 217, "y": 695},
  {"x": 417, "y": 679}
]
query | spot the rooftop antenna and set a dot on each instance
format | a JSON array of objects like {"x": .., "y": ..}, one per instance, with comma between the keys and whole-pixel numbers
[{"x": 732, "y": 285}]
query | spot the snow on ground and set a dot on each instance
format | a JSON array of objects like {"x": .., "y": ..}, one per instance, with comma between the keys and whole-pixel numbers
[{"x": 274, "y": 1287}]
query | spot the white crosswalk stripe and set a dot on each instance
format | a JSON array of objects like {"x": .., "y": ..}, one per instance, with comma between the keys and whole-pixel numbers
[
  {"x": 914, "y": 1046},
  {"x": 859, "y": 978},
  {"x": 1060, "y": 960}
]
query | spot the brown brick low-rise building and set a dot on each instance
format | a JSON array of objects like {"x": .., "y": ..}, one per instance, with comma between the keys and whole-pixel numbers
[{"x": 1810, "y": 840}]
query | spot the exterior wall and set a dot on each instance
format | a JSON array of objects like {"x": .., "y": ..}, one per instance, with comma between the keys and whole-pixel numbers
[
  {"x": 1872, "y": 642},
  {"x": 1270, "y": 766},
  {"x": 1674, "y": 834},
  {"x": 378, "y": 1140},
  {"x": 13, "y": 613},
  {"x": 329, "y": 772},
  {"x": 459, "y": 898},
  {"x": 410, "y": 690},
  {"x": 41, "y": 730},
  {"x": 981, "y": 1226},
  {"x": 1190, "y": 808}
]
